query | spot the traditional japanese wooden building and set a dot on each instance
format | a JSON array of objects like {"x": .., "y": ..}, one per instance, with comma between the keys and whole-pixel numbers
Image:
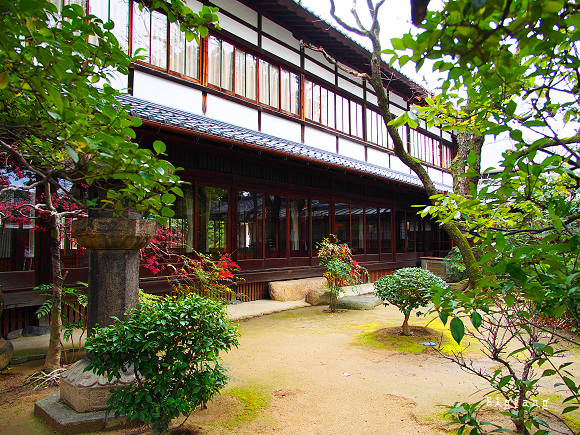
[{"x": 281, "y": 149}]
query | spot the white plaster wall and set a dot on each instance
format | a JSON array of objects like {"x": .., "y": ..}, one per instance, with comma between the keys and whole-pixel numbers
[
  {"x": 319, "y": 139},
  {"x": 237, "y": 10},
  {"x": 351, "y": 149},
  {"x": 447, "y": 179},
  {"x": 161, "y": 91},
  {"x": 319, "y": 57},
  {"x": 280, "y": 127},
  {"x": 396, "y": 111},
  {"x": 238, "y": 29},
  {"x": 350, "y": 87},
  {"x": 279, "y": 33},
  {"x": 233, "y": 113},
  {"x": 435, "y": 174},
  {"x": 446, "y": 135},
  {"x": 372, "y": 98},
  {"x": 319, "y": 71},
  {"x": 378, "y": 157},
  {"x": 194, "y": 5},
  {"x": 280, "y": 51},
  {"x": 397, "y": 99},
  {"x": 398, "y": 165},
  {"x": 434, "y": 130}
]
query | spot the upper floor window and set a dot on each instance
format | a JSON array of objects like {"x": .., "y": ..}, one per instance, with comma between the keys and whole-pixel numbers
[
  {"x": 377, "y": 130},
  {"x": 163, "y": 44},
  {"x": 150, "y": 35},
  {"x": 239, "y": 72},
  {"x": 116, "y": 11},
  {"x": 245, "y": 74},
  {"x": 184, "y": 54},
  {"x": 327, "y": 108},
  {"x": 279, "y": 88}
]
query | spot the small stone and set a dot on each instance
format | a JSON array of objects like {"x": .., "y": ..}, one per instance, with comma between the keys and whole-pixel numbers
[
  {"x": 16, "y": 361},
  {"x": 35, "y": 331},
  {"x": 319, "y": 296},
  {"x": 13, "y": 335},
  {"x": 6, "y": 352}
]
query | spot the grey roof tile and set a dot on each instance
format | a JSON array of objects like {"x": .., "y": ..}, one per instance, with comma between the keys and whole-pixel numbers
[{"x": 191, "y": 121}]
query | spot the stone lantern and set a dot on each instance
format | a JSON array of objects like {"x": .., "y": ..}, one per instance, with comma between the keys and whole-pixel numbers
[{"x": 113, "y": 243}]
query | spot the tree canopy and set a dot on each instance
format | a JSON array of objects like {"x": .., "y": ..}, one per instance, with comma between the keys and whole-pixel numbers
[{"x": 61, "y": 126}]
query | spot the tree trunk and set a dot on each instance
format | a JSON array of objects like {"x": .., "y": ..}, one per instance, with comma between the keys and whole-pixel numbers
[
  {"x": 467, "y": 142},
  {"x": 52, "y": 360},
  {"x": 406, "y": 329},
  {"x": 333, "y": 299},
  {"x": 474, "y": 272}
]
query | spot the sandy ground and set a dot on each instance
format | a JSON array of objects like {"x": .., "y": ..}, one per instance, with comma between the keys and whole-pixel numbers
[{"x": 307, "y": 372}]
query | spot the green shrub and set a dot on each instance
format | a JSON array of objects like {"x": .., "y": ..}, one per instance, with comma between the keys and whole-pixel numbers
[
  {"x": 408, "y": 289},
  {"x": 173, "y": 346}
]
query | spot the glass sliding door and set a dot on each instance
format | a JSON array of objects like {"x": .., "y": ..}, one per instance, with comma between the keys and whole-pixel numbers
[
  {"x": 401, "y": 232},
  {"x": 386, "y": 230},
  {"x": 250, "y": 225},
  {"x": 320, "y": 222},
  {"x": 212, "y": 220},
  {"x": 275, "y": 226},
  {"x": 372, "y": 230},
  {"x": 299, "y": 227},
  {"x": 342, "y": 221},
  {"x": 358, "y": 229}
]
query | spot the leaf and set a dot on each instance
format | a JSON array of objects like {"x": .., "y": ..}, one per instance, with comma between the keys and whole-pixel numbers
[
  {"x": 159, "y": 147},
  {"x": 167, "y": 212},
  {"x": 4, "y": 80},
  {"x": 443, "y": 317},
  {"x": 552, "y": 7},
  {"x": 457, "y": 329},
  {"x": 476, "y": 319},
  {"x": 72, "y": 153}
]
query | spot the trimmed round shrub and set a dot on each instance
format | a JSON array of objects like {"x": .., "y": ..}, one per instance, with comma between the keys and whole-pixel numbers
[{"x": 408, "y": 289}]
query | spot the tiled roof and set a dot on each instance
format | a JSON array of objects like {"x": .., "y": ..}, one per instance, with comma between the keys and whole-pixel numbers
[{"x": 201, "y": 124}]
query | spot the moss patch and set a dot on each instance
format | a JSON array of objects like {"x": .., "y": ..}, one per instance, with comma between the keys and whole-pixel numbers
[
  {"x": 391, "y": 338},
  {"x": 252, "y": 400}
]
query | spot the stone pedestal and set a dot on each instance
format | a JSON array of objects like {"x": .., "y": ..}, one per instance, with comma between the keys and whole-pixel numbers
[{"x": 114, "y": 244}]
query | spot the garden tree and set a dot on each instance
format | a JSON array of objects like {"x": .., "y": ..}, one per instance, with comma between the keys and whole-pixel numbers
[
  {"x": 375, "y": 78},
  {"x": 510, "y": 67},
  {"x": 408, "y": 288},
  {"x": 61, "y": 131}
]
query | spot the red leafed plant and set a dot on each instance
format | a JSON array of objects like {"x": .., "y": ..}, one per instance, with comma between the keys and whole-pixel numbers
[
  {"x": 193, "y": 272},
  {"x": 341, "y": 269}
]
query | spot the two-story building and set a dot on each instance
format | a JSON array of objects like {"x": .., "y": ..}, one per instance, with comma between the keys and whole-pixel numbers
[{"x": 281, "y": 149}]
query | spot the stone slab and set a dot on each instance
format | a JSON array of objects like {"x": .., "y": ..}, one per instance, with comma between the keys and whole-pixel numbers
[
  {"x": 360, "y": 302},
  {"x": 65, "y": 420}
]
